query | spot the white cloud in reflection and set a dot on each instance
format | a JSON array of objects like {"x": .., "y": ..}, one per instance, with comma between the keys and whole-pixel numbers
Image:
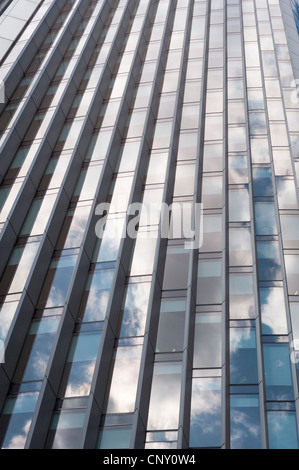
[
  {"x": 81, "y": 387},
  {"x": 273, "y": 312},
  {"x": 124, "y": 381},
  {"x": 18, "y": 441}
]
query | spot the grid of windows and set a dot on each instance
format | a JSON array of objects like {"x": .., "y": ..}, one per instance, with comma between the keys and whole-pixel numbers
[{"x": 114, "y": 341}]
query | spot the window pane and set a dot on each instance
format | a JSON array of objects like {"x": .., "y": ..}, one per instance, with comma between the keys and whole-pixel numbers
[
  {"x": 207, "y": 341},
  {"x": 278, "y": 372},
  {"x": 165, "y": 396},
  {"x": 245, "y": 422},
  {"x": 170, "y": 336},
  {"x": 205, "y": 419},
  {"x": 282, "y": 430},
  {"x": 243, "y": 356}
]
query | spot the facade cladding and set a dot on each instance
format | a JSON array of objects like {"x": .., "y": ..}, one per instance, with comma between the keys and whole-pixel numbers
[{"x": 144, "y": 343}]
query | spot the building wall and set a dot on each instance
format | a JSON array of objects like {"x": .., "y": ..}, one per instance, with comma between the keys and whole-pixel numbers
[{"x": 114, "y": 341}]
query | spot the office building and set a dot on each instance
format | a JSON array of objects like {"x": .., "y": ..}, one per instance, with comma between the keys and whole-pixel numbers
[{"x": 149, "y": 341}]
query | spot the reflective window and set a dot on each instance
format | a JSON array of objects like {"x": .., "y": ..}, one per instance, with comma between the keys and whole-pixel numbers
[
  {"x": 290, "y": 230},
  {"x": 165, "y": 396},
  {"x": 240, "y": 251},
  {"x": 135, "y": 309},
  {"x": 238, "y": 169},
  {"x": 80, "y": 364},
  {"x": 209, "y": 283},
  {"x": 212, "y": 233},
  {"x": 96, "y": 293},
  {"x": 205, "y": 419},
  {"x": 37, "y": 346},
  {"x": 262, "y": 182},
  {"x": 278, "y": 374},
  {"x": 239, "y": 209},
  {"x": 273, "y": 311},
  {"x": 282, "y": 430},
  {"x": 176, "y": 268},
  {"x": 16, "y": 419},
  {"x": 171, "y": 327},
  {"x": 117, "y": 437},
  {"x": 269, "y": 265},
  {"x": 292, "y": 270},
  {"x": 207, "y": 340},
  {"x": 66, "y": 429},
  {"x": 241, "y": 298},
  {"x": 243, "y": 356},
  {"x": 57, "y": 280},
  {"x": 245, "y": 426},
  {"x": 125, "y": 366},
  {"x": 265, "y": 220}
]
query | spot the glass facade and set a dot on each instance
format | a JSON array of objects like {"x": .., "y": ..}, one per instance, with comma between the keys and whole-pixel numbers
[{"x": 114, "y": 341}]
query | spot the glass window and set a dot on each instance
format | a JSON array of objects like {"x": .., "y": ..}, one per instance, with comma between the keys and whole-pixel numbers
[
  {"x": 117, "y": 437},
  {"x": 165, "y": 396},
  {"x": 209, "y": 283},
  {"x": 290, "y": 230},
  {"x": 57, "y": 280},
  {"x": 243, "y": 356},
  {"x": 213, "y": 156},
  {"x": 278, "y": 374},
  {"x": 16, "y": 419},
  {"x": 241, "y": 298},
  {"x": 238, "y": 170},
  {"x": 237, "y": 140},
  {"x": 96, "y": 293},
  {"x": 205, "y": 419},
  {"x": 262, "y": 182},
  {"x": 212, "y": 233},
  {"x": 286, "y": 194},
  {"x": 245, "y": 428},
  {"x": 259, "y": 150},
  {"x": 135, "y": 309},
  {"x": 176, "y": 268},
  {"x": 125, "y": 367},
  {"x": 265, "y": 220},
  {"x": 292, "y": 270},
  {"x": 80, "y": 364},
  {"x": 269, "y": 265},
  {"x": 240, "y": 250},
  {"x": 184, "y": 180},
  {"x": 282, "y": 430},
  {"x": 273, "y": 311},
  {"x": 162, "y": 135},
  {"x": 239, "y": 209},
  {"x": 171, "y": 327},
  {"x": 66, "y": 429},
  {"x": 212, "y": 192},
  {"x": 37, "y": 346},
  {"x": 207, "y": 341},
  {"x": 187, "y": 149}
]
